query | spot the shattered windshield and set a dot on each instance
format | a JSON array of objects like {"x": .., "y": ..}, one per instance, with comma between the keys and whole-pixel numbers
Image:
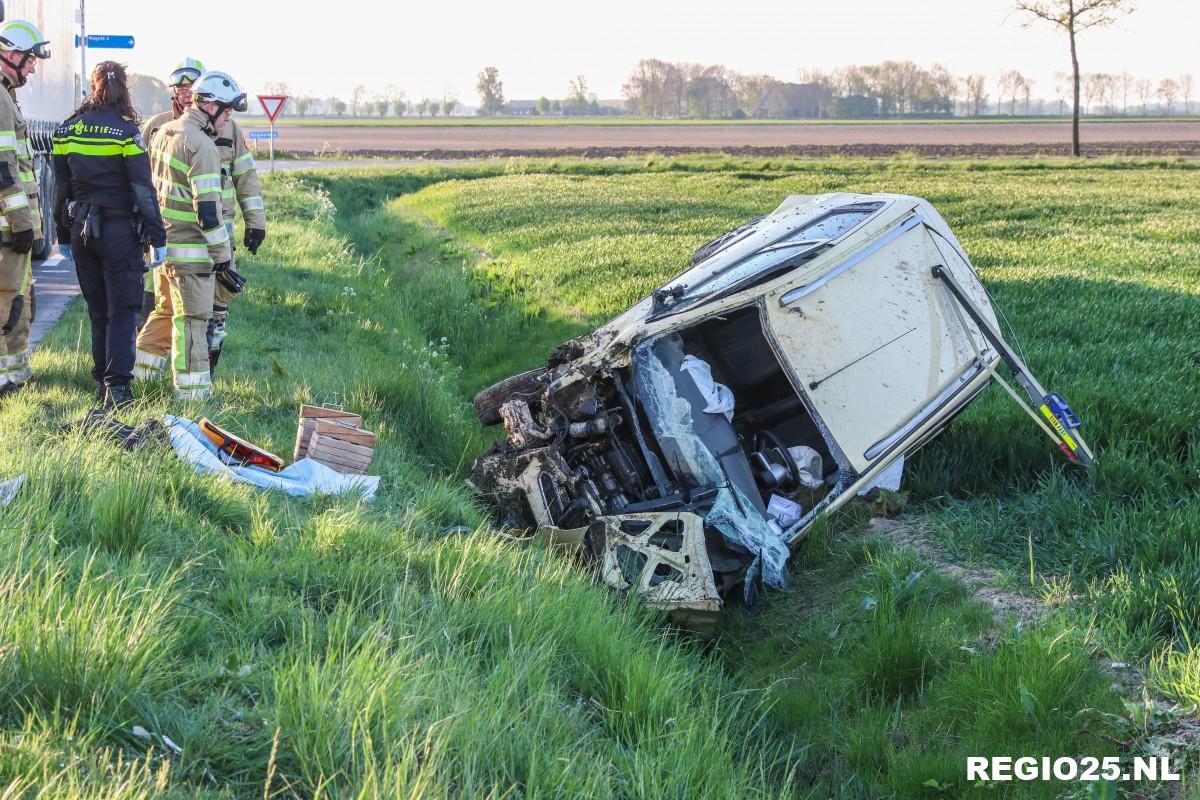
[{"x": 789, "y": 249}]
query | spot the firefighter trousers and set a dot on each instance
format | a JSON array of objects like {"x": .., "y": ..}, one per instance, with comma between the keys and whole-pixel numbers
[
  {"x": 16, "y": 312},
  {"x": 177, "y": 332},
  {"x": 222, "y": 296}
]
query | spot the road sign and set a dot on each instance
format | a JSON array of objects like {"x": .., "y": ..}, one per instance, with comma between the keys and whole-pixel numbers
[
  {"x": 271, "y": 134},
  {"x": 110, "y": 42},
  {"x": 272, "y": 104}
]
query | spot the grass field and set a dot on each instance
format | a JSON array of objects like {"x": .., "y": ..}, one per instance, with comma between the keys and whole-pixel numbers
[
  {"x": 539, "y": 121},
  {"x": 305, "y": 648}
]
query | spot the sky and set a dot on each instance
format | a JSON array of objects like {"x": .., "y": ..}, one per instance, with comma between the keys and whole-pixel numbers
[{"x": 431, "y": 49}]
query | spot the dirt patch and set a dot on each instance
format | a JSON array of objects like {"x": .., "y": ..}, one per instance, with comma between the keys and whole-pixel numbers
[
  {"x": 981, "y": 582},
  {"x": 1158, "y": 726},
  {"x": 1094, "y": 150},
  {"x": 963, "y": 140}
]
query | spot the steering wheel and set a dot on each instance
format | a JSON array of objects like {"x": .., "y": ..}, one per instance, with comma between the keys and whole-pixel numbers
[{"x": 767, "y": 441}]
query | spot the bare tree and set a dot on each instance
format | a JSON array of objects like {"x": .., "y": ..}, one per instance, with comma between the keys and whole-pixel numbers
[
  {"x": 944, "y": 85},
  {"x": 577, "y": 91},
  {"x": 1009, "y": 86},
  {"x": 356, "y": 99},
  {"x": 1167, "y": 91},
  {"x": 1074, "y": 17},
  {"x": 655, "y": 88},
  {"x": 749, "y": 89},
  {"x": 976, "y": 91},
  {"x": 1185, "y": 89},
  {"x": 1062, "y": 87},
  {"x": 395, "y": 96},
  {"x": 1126, "y": 82},
  {"x": 1145, "y": 90},
  {"x": 1096, "y": 87}
]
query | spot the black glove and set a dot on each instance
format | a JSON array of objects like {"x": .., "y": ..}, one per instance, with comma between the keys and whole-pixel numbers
[
  {"x": 254, "y": 239},
  {"x": 22, "y": 241},
  {"x": 229, "y": 277}
]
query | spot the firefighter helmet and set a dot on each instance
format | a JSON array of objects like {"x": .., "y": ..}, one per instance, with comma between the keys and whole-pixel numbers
[
  {"x": 186, "y": 73},
  {"x": 219, "y": 88},
  {"x": 22, "y": 36}
]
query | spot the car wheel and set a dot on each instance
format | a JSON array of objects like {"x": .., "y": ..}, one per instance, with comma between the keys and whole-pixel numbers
[
  {"x": 527, "y": 386},
  {"x": 46, "y": 188}
]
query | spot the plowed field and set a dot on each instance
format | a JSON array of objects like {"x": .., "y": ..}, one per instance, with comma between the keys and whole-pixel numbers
[{"x": 951, "y": 139}]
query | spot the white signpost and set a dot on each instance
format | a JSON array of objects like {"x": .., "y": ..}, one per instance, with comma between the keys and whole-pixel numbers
[{"x": 273, "y": 106}]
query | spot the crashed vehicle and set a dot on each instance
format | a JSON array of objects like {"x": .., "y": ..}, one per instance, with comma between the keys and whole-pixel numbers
[{"x": 686, "y": 444}]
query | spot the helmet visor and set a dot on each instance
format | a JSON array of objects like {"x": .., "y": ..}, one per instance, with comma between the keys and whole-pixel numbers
[
  {"x": 184, "y": 77},
  {"x": 239, "y": 103},
  {"x": 40, "y": 50}
]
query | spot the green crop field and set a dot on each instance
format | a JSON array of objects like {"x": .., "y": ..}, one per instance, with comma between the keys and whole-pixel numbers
[{"x": 329, "y": 648}]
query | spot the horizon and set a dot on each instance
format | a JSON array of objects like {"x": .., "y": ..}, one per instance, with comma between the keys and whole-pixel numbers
[{"x": 525, "y": 43}]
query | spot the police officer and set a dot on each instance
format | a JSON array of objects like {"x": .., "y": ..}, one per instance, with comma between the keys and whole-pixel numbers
[
  {"x": 105, "y": 212},
  {"x": 21, "y": 46},
  {"x": 187, "y": 174},
  {"x": 180, "y": 81}
]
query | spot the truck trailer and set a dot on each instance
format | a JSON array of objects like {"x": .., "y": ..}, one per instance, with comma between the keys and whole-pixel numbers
[{"x": 51, "y": 94}]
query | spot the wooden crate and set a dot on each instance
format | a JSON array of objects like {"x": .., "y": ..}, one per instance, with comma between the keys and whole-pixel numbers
[
  {"x": 341, "y": 446},
  {"x": 309, "y": 415}
]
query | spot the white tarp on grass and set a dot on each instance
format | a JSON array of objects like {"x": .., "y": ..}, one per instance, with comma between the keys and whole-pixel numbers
[{"x": 304, "y": 477}]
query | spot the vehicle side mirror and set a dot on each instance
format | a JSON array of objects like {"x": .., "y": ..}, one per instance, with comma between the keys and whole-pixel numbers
[{"x": 1, "y": 10}]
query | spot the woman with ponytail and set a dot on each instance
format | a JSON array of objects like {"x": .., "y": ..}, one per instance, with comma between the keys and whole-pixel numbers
[{"x": 106, "y": 212}]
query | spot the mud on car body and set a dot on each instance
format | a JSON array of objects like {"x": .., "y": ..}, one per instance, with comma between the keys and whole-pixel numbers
[{"x": 689, "y": 442}]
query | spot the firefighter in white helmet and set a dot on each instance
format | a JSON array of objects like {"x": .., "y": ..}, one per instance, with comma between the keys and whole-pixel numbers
[
  {"x": 187, "y": 169},
  {"x": 240, "y": 188},
  {"x": 21, "y": 47},
  {"x": 180, "y": 82}
]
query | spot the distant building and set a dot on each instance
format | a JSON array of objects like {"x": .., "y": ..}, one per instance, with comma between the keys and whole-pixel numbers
[
  {"x": 522, "y": 108},
  {"x": 792, "y": 101}
]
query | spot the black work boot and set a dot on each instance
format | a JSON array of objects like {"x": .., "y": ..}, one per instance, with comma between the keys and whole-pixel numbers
[
  {"x": 213, "y": 357},
  {"x": 118, "y": 397},
  {"x": 100, "y": 392}
]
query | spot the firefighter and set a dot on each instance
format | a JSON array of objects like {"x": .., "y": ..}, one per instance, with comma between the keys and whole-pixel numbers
[
  {"x": 187, "y": 173},
  {"x": 21, "y": 47},
  {"x": 180, "y": 81},
  {"x": 239, "y": 188},
  {"x": 103, "y": 174}
]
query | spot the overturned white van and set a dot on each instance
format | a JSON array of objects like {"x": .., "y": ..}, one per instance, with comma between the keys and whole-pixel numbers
[{"x": 686, "y": 444}]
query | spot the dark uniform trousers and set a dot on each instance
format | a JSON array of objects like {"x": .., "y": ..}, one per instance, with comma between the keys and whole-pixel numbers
[{"x": 111, "y": 272}]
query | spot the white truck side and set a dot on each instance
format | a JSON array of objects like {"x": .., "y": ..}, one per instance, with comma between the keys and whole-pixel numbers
[{"x": 52, "y": 94}]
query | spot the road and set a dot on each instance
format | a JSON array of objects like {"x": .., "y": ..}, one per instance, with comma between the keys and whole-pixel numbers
[
  {"x": 476, "y": 140},
  {"x": 55, "y": 286}
]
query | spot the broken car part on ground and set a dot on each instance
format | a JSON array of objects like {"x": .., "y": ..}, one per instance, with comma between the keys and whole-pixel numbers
[{"x": 703, "y": 431}]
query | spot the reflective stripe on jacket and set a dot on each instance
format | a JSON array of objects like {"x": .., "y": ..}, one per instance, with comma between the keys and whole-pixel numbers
[{"x": 187, "y": 174}]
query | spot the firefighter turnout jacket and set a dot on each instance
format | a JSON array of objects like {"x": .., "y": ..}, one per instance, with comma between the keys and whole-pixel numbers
[
  {"x": 18, "y": 186},
  {"x": 187, "y": 174},
  {"x": 239, "y": 178},
  {"x": 151, "y": 126},
  {"x": 100, "y": 161}
]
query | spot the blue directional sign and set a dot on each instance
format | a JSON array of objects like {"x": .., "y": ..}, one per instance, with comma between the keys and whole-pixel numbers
[
  {"x": 264, "y": 134},
  {"x": 110, "y": 42}
]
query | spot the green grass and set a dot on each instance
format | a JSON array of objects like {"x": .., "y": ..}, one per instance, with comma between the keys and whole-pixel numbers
[
  {"x": 323, "y": 647},
  {"x": 1095, "y": 265}
]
